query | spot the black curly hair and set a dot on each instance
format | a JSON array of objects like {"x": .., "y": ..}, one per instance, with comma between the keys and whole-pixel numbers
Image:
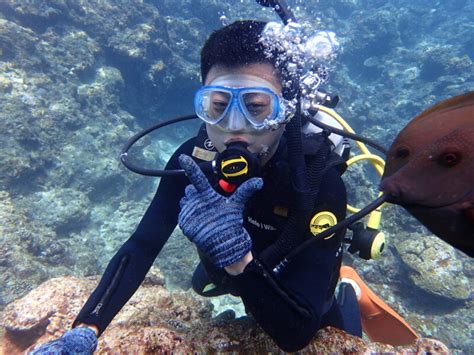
[
  {"x": 238, "y": 44},
  {"x": 234, "y": 45}
]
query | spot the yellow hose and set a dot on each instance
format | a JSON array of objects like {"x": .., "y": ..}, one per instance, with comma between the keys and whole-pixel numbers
[
  {"x": 377, "y": 162},
  {"x": 378, "y": 167}
]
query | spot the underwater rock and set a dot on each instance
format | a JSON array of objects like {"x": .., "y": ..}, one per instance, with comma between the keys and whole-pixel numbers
[
  {"x": 411, "y": 73},
  {"x": 136, "y": 42},
  {"x": 5, "y": 84},
  {"x": 155, "y": 320},
  {"x": 432, "y": 264},
  {"x": 31, "y": 253},
  {"x": 344, "y": 8},
  {"x": 15, "y": 41},
  {"x": 104, "y": 91},
  {"x": 377, "y": 31},
  {"x": 19, "y": 271},
  {"x": 439, "y": 60},
  {"x": 62, "y": 208},
  {"x": 372, "y": 62},
  {"x": 177, "y": 268},
  {"x": 68, "y": 51}
]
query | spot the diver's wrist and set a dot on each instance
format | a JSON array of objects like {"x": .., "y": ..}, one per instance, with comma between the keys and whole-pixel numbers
[
  {"x": 239, "y": 266},
  {"x": 90, "y": 326}
]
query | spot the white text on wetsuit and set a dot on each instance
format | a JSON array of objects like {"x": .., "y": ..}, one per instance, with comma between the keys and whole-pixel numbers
[{"x": 260, "y": 225}]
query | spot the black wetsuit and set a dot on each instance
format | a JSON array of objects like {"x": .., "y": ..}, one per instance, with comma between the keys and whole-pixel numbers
[{"x": 290, "y": 306}]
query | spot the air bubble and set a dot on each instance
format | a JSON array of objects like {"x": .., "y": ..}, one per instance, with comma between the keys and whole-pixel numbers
[
  {"x": 224, "y": 20},
  {"x": 303, "y": 54}
]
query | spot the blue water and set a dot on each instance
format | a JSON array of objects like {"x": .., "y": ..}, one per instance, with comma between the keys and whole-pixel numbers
[{"x": 77, "y": 81}]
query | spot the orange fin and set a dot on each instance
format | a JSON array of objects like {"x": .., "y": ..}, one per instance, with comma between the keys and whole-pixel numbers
[{"x": 379, "y": 321}]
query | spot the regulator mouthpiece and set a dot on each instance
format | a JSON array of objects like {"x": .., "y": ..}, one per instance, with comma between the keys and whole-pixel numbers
[{"x": 237, "y": 164}]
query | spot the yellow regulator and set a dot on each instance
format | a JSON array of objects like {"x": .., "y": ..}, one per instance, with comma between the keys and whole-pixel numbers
[
  {"x": 234, "y": 167},
  {"x": 322, "y": 221}
]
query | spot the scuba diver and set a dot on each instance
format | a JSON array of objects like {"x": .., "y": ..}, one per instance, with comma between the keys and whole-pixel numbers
[{"x": 244, "y": 220}]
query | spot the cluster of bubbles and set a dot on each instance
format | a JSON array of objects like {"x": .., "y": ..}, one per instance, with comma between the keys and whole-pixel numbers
[
  {"x": 223, "y": 19},
  {"x": 302, "y": 57}
]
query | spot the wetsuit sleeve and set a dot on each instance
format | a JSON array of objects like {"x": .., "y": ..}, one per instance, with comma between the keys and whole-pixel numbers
[
  {"x": 128, "y": 268},
  {"x": 291, "y": 305}
]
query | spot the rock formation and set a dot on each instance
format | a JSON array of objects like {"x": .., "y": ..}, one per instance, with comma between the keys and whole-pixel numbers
[{"x": 157, "y": 321}]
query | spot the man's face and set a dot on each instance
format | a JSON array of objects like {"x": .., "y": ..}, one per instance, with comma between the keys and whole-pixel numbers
[{"x": 235, "y": 127}]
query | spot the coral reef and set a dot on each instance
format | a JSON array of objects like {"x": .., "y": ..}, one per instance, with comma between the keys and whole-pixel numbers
[
  {"x": 31, "y": 252},
  {"x": 157, "y": 321},
  {"x": 433, "y": 266}
]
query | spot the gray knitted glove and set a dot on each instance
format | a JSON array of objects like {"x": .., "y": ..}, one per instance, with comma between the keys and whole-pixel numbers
[
  {"x": 75, "y": 341},
  {"x": 214, "y": 222}
]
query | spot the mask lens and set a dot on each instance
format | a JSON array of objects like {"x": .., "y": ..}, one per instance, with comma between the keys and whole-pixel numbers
[
  {"x": 218, "y": 102},
  {"x": 211, "y": 104},
  {"x": 258, "y": 105}
]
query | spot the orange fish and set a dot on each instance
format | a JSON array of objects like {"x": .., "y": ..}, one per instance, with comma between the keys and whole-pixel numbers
[{"x": 430, "y": 170}]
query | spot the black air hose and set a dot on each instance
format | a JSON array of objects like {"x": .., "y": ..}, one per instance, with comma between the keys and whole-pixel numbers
[{"x": 293, "y": 231}]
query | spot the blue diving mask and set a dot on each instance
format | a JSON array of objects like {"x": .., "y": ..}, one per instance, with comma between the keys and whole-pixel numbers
[{"x": 258, "y": 105}]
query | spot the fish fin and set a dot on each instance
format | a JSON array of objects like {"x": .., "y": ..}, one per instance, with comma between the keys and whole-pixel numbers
[{"x": 451, "y": 103}]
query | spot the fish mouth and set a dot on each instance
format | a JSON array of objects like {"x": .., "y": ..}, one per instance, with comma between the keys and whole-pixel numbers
[
  {"x": 415, "y": 205},
  {"x": 397, "y": 195}
]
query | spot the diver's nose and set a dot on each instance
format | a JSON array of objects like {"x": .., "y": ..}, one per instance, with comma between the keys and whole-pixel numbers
[{"x": 235, "y": 120}]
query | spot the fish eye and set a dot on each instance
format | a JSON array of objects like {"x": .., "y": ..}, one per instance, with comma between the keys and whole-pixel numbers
[
  {"x": 449, "y": 159},
  {"x": 402, "y": 152}
]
